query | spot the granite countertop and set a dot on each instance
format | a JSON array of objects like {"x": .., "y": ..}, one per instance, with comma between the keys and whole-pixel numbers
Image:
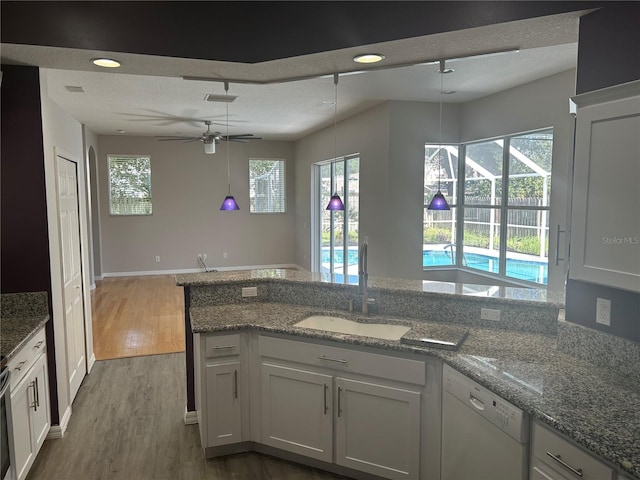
[
  {"x": 21, "y": 316},
  {"x": 572, "y": 396},
  {"x": 534, "y": 296},
  {"x": 16, "y": 331}
]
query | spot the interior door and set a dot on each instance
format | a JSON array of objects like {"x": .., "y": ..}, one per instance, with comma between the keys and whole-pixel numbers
[{"x": 68, "y": 208}]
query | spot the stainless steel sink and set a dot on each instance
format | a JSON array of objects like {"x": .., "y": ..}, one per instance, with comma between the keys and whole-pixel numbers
[{"x": 330, "y": 323}]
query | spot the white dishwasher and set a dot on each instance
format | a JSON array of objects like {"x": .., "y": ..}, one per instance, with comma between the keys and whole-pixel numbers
[{"x": 483, "y": 436}]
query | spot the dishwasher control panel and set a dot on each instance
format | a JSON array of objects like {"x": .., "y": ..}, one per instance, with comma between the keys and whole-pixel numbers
[{"x": 484, "y": 402}]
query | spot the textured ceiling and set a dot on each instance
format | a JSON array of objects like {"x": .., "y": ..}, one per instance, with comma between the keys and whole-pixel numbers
[{"x": 287, "y": 98}]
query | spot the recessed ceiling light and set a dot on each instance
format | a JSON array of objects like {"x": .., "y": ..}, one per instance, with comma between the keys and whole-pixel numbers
[
  {"x": 448, "y": 92},
  {"x": 106, "y": 62},
  {"x": 121, "y": 131},
  {"x": 369, "y": 58}
]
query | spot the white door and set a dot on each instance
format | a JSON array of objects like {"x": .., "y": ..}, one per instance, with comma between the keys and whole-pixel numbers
[
  {"x": 68, "y": 208},
  {"x": 378, "y": 429},
  {"x": 296, "y": 411}
]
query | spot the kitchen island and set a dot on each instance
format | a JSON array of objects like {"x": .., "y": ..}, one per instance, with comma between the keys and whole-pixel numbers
[{"x": 518, "y": 359}]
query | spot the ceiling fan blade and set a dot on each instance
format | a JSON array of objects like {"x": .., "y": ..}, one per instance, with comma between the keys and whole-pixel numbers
[
  {"x": 169, "y": 138},
  {"x": 244, "y": 138}
]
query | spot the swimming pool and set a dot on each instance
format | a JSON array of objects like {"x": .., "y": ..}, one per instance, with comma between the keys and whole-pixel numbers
[
  {"x": 528, "y": 270},
  {"x": 521, "y": 269}
]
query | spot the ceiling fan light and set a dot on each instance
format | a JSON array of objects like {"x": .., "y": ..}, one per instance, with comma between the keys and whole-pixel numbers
[
  {"x": 210, "y": 146},
  {"x": 229, "y": 203}
]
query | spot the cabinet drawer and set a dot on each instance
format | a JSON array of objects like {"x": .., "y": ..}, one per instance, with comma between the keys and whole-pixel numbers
[
  {"x": 222, "y": 345},
  {"x": 20, "y": 364},
  {"x": 344, "y": 360},
  {"x": 567, "y": 459}
]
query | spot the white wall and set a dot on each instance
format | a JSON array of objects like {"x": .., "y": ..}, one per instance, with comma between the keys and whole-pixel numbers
[
  {"x": 390, "y": 139},
  {"x": 62, "y": 135},
  {"x": 188, "y": 187},
  {"x": 368, "y": 135}
]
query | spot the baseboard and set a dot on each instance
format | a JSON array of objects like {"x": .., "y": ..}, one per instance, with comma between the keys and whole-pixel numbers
[
  {"x": 190, "y": 417},
  {"x": 57, "y": 431},
  {"x": 91, "y": 362},
  {"x": 197, "y": 270}
]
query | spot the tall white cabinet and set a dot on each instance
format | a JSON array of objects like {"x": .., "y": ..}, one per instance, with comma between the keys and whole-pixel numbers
[{"x": 605, "y": 227}]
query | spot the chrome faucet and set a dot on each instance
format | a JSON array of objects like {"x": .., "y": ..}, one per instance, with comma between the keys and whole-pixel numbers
[{"x": 363, "y": 275}]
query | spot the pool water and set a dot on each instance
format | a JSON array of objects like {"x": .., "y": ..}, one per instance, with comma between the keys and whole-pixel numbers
[{"x": 528, "y": 270}]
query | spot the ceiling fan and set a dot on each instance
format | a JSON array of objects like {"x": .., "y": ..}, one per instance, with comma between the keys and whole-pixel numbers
[{"x": 210, "y": 138}]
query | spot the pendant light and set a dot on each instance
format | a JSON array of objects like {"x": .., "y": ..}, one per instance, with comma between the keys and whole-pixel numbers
[
  {"x": 336, "y": 202},
  {"x": 229, "y": 203},
  {"x": 438, "y": 202}
]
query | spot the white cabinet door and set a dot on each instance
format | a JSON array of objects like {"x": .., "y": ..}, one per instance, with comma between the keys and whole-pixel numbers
[
  {"x": 22, "y": 402},
  {"x": 378, "y": 429},
  {"x": 605, "y": 243},
  {"x": 297, "y": 413},
  {"x": 224, "y": 413},
  {"x": 29, "y": 416},
  {"x": 41, "y": 419}
]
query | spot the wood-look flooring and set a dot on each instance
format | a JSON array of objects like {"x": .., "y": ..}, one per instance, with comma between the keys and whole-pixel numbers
[
  {"x": 127, "y": 424},
  {"x": 134, "y": 316}
]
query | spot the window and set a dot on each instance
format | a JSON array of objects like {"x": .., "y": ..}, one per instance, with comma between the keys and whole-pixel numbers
[
  {"x": 267, "y": 186},
  {"x": 335, "y": 239},
  {"x": 129, "y": 185},
  {"x": 500, "y": 214}
]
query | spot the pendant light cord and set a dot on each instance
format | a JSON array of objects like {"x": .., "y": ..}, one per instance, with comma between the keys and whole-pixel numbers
[
  {"x": 226, "y": 93},
  {"x": 440, "y": 130},
  {"x": 335, "y": 118}
]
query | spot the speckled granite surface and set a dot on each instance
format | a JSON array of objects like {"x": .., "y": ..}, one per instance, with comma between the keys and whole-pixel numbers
[
  {"x": 521, "y": 308},
  {"x": 22, "y": 315},
  {"x": 534, "y": 296},
  {"x": 571, "y": 395}
]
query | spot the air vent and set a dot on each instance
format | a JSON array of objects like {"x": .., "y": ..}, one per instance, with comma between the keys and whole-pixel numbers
[
  {"x": 74, "y": 89},
  {"x": 210, "y": 97}
]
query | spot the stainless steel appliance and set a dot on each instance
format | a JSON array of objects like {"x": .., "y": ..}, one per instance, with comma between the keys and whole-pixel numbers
[
  {"x": 484, "y": 437},
  {"x": 5, "y": 459}
]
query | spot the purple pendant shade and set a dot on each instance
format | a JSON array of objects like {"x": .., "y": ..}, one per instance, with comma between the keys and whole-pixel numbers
[
  {"x": 229, "y": 204},
  {"x": 335, "y": 203},
  {"x": 438, "y": 202}
]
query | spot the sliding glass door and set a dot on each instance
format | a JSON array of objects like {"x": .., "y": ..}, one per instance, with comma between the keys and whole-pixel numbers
[{"x": 335, "y": 236}]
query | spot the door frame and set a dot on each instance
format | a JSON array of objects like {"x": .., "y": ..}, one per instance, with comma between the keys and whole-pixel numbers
[{"x": 60, "y": 367}]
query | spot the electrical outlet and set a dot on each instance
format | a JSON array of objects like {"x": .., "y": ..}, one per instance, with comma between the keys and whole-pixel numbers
[
  {"x": 489, "y": 314},
  {"x": 157, "y": 258},
  {"x": 204, "y": 256},
  {"x": 225, "y": 255},
  {"x": 603, "y": 311},
  {"x": 249, "y": 291}
]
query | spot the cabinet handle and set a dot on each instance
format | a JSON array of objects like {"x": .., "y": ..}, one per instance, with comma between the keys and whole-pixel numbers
[
  {"x": 558, "y": 232},
  {"x": 557, "y": 458},
  {"x": 34, "y": 405},
  {"x": 235, "y": 384},
  {"x": 339, "y": 401},
  {"x": 329, "y": 359},
  {"x": 39, "y": 344},
  {"x": 37, "y": 390},
  {"x": 20, "y": 365},
  {"x": 326, "y": 407}
]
